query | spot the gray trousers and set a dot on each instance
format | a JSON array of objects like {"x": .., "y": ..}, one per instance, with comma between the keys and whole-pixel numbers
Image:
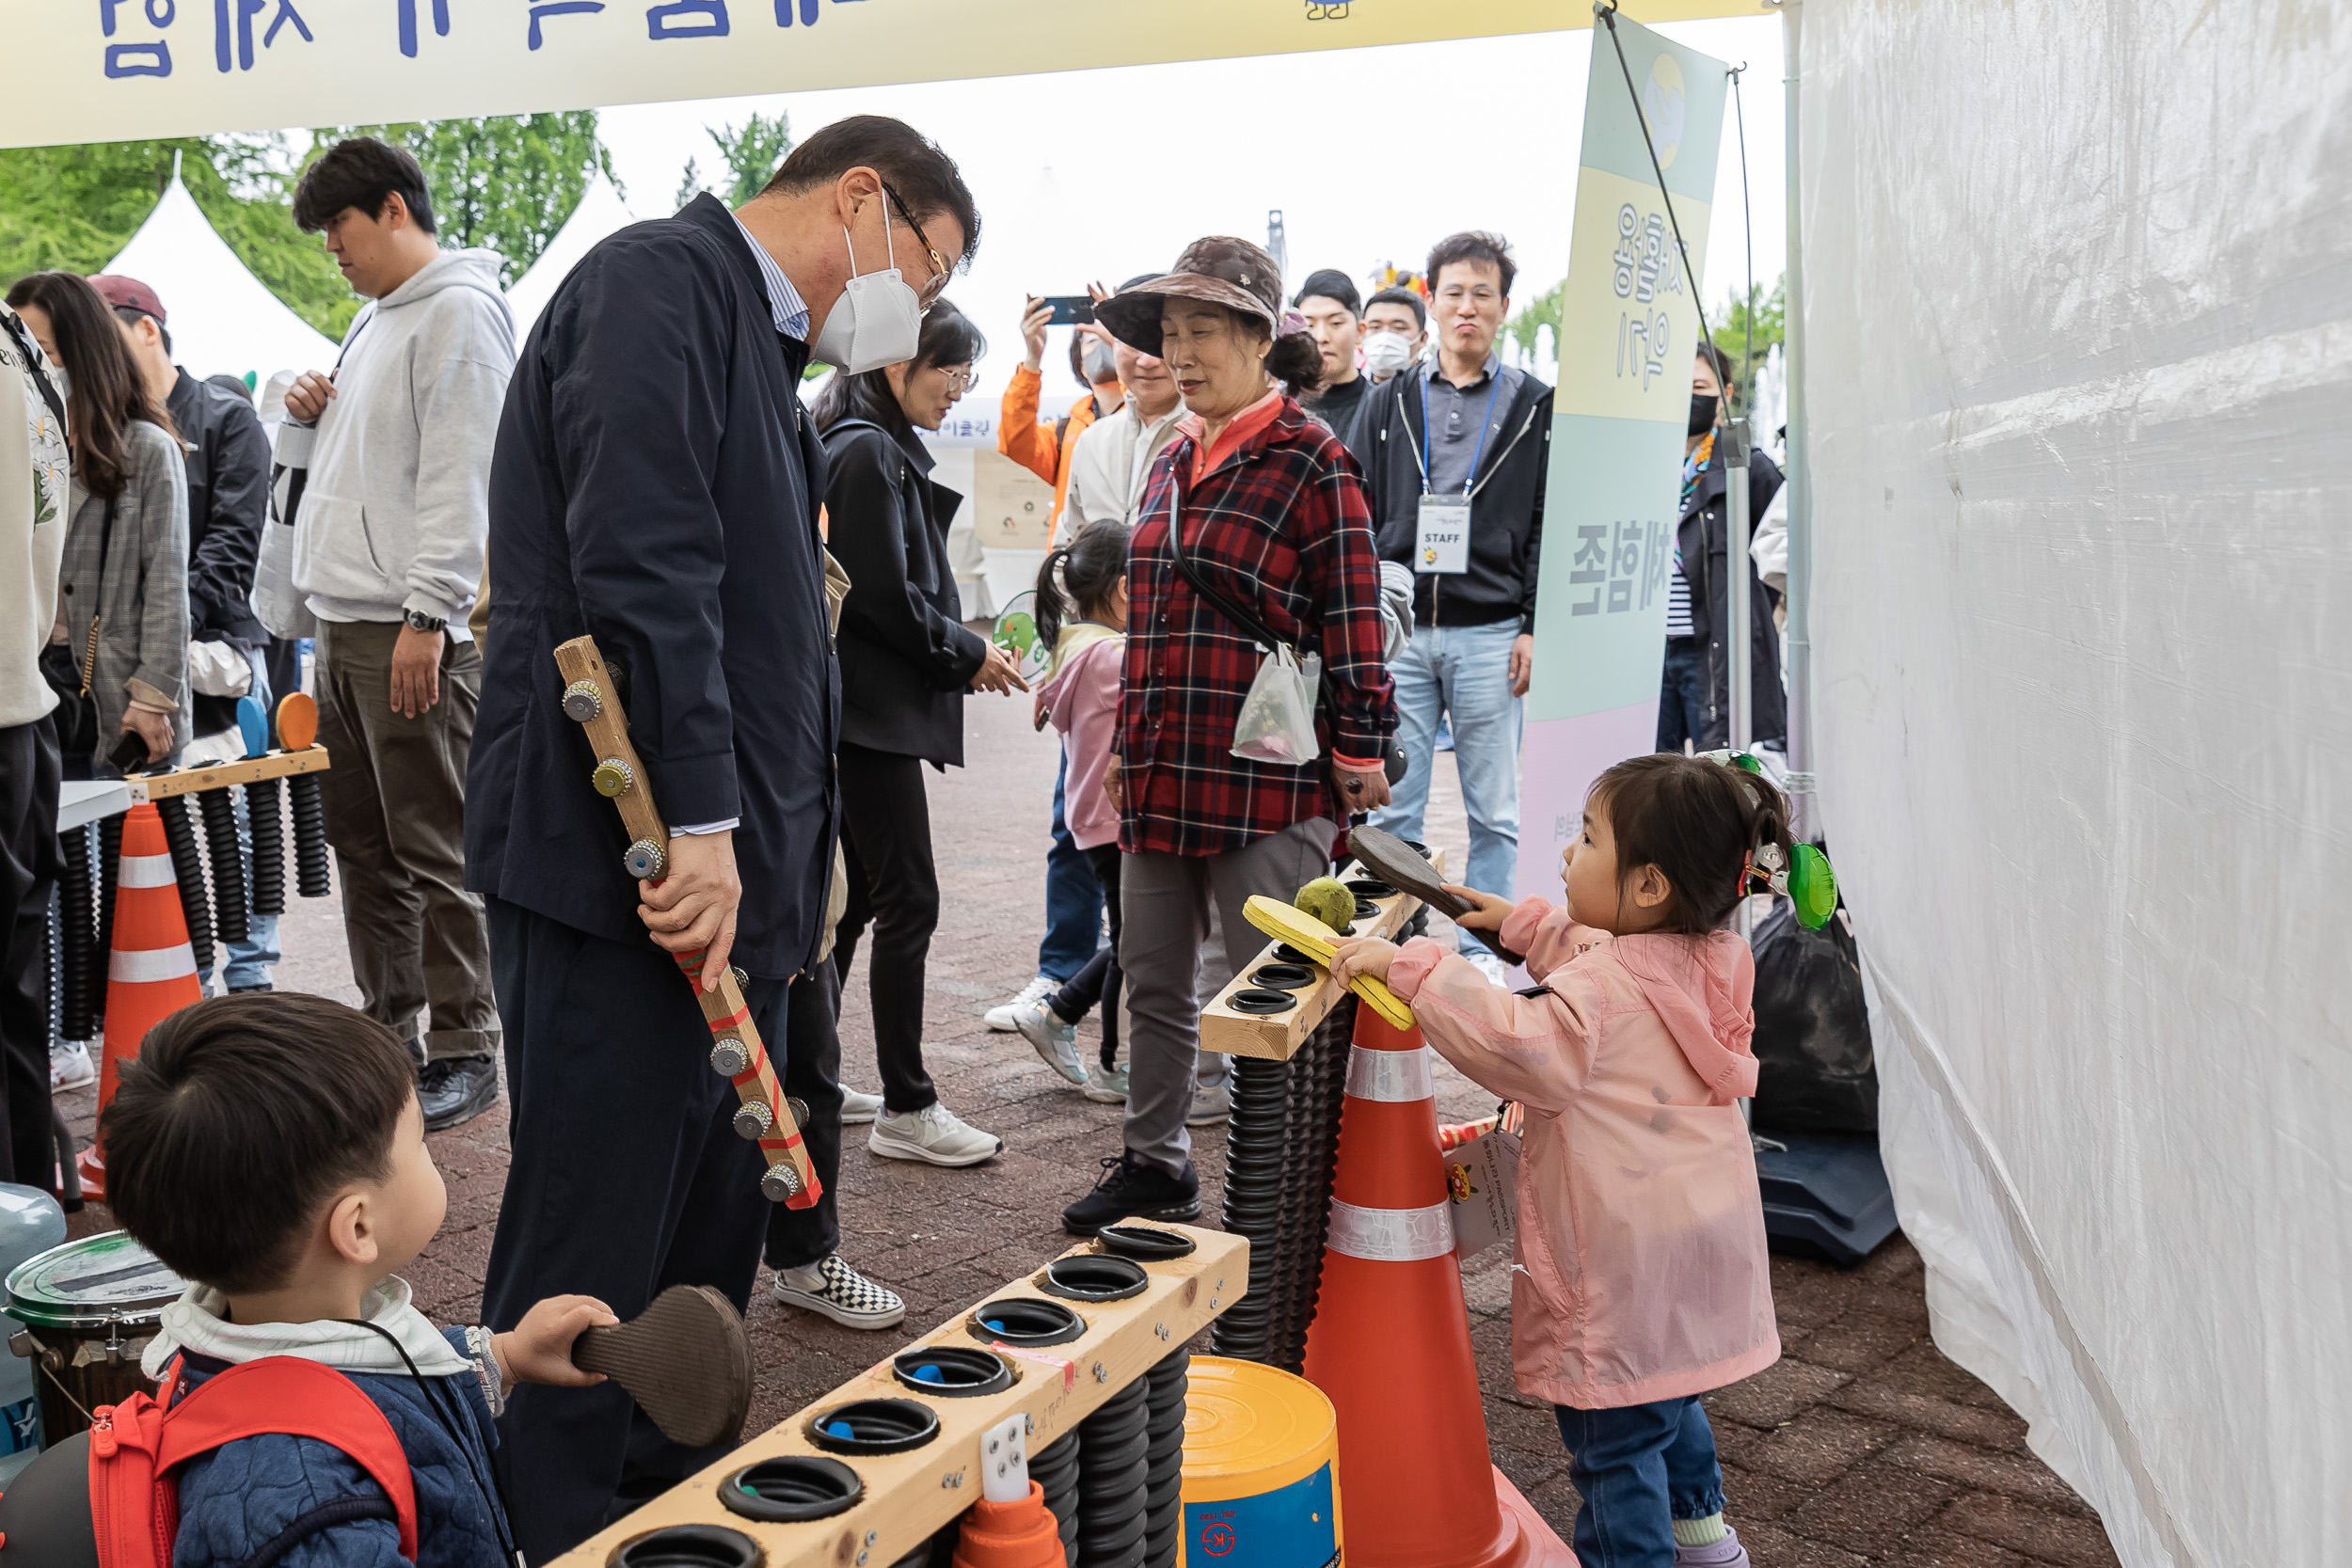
[
  {"x": 1164, "y": 902},
  {"x": 396, "y": 814}
]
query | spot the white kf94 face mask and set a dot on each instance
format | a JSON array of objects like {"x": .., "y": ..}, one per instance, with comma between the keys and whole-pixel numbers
[
  {"x": 877, "y": 320},
  {"x": 1385, "y": 353}
]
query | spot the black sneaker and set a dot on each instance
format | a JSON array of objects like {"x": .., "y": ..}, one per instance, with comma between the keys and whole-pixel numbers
[
  {"x": 456, "y": 1089},
  {"x": 1133, "y": 1189}
]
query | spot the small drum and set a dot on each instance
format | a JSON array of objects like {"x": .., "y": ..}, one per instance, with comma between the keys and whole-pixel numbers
[{"x": 89, "y": 1309}]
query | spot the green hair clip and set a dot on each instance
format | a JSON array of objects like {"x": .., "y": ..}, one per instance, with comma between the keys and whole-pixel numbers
[{"x": 1806, "y": 880}]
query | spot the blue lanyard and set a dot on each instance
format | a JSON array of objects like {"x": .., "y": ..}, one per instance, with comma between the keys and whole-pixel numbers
[{"x": 1486, "y": 424}]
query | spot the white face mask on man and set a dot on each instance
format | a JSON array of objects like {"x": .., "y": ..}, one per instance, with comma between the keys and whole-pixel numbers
[
  {"x": 1385, "y": 353},
  {"x": 877, "y": 320}
]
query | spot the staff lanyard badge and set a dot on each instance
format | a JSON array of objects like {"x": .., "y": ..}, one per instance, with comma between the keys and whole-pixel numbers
[{"x": 1445, "y": 519}]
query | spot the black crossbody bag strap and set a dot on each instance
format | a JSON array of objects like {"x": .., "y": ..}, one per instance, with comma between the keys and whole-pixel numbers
[{"x": 34, "y": 359}]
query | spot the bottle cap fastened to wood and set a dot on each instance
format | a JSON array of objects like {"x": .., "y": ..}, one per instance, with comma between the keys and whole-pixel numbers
[
  {"x": 743, "y": 976},
  {"x": 780, "y": 1185},
  {"x": 581, "y": 701},
  {"x": 612, "y": 777},
  {"x": 753, "y": 1120},
  {"x": 729, "y": 1057},
  {"x": 644, "y": 859}
]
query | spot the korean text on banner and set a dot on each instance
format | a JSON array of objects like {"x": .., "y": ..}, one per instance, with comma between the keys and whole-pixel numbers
[
  {"x": 1628, "y": 331},
  {"x": 121, "y": 70}
]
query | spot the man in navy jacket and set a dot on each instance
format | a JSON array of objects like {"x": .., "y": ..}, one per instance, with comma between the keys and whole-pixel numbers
[{"x": 655, "y": 486}]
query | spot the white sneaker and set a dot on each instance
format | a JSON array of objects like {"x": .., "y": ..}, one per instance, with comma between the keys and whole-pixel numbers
[
  {"x": 1055, "y": 1041},
  {"x": 934, "y": 1136},
  {"x": 1490, "y": 966},
  {"x": 69, "y": 1065},
  {"x": 1107, "y": 1087},
  {"x": 1000, "y": 1018},
  {"x": 858, "y": 1107},
  {"x": 1210, "y": 1105},
  {"x": 839, "y": 1291}
]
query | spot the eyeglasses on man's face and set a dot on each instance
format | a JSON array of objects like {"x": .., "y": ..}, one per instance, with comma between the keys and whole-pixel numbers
[{"x": 940, "y": 271}]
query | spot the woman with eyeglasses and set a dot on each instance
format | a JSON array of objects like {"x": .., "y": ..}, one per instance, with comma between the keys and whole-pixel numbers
[{"x": 907, "y": 660}]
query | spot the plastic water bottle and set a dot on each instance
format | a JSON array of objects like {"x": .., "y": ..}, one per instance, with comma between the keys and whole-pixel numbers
[{"x": 30, "y": 1224}]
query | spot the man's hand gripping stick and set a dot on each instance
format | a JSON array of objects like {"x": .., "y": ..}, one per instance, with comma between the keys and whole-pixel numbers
[{"x": 736, "y": 1050}]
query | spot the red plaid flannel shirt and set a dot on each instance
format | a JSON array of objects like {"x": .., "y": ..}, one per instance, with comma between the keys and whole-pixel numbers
[{"x": 1281, "y": 528}]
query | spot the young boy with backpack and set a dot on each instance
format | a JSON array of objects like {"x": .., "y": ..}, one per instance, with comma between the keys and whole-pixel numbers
[{"x": 270, "y": 1148}]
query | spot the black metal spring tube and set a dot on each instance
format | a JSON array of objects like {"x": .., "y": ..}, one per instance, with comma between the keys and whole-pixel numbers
[
  {"x": 109, "y": 868},
  {"x": 1055, "y": 1472},
  {"x": 81, "y": 963},
  {"x": 1254, "y": 1179},
  {"x": 267, "y": 824},
  {"x": 1113, "y": 1462},
  {"x": 310, "y": 833},
  {"x": 227, "y": 863},
  {"x": 1312, "y": 1115},
  {"x": 188, "y": 868},
  {"x": 1165, "y": 1388}
]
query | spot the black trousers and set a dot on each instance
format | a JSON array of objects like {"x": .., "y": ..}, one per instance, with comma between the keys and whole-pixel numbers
[
  {"x": 28, "y": 875},
  {"x": 894, "y": 886},
  {"x": 1099, "y": 980},
  {"x": 810, "y": 1053},
  {"x": 626, "y": 1177}
]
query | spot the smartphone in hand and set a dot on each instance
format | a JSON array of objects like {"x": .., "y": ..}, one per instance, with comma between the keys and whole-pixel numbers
[{"x": 1068, "y": 310}]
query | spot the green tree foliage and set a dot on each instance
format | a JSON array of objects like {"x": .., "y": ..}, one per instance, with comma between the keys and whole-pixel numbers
[
  {"x": 1733, "y": 327},
  {"x": 74, "y": 207},
  {"x": 507, "y": 184},
  {"x": 1543, "y": 311},
  {"x": 752, "y": 153}
]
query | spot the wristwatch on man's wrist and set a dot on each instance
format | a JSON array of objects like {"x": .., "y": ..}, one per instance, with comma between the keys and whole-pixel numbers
[{"x": 419, "y": 621}]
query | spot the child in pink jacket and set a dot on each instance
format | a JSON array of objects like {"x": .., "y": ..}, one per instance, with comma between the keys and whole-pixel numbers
[
  {"x": 1641, "y": 1279},
  {"x": 1080, "y": 697}
]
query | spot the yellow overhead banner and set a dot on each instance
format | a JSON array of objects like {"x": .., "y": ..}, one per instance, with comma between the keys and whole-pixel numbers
[{"x": 119, "y": 70}]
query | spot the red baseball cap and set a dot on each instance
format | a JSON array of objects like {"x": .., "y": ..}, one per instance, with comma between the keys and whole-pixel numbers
[{"x": 117, "y": 289}]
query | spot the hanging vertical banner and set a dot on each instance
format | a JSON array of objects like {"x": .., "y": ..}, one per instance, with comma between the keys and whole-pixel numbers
[
  {"x": 116, "y": 69},
  {"x": 1629, "y": 333}
]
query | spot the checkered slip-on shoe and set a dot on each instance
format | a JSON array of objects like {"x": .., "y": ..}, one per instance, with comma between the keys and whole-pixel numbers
[{"x": 843, "y": 1294}]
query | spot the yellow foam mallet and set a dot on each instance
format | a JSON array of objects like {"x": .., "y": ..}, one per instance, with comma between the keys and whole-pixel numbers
[{"x": 1318, "y": 942}]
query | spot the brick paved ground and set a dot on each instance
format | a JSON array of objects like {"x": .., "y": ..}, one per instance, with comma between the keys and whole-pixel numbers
[{"x": 1861, "y": 1446}]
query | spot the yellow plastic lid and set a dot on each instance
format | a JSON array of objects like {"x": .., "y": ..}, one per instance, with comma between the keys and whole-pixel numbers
[{"x": 1250, "y": 1428}]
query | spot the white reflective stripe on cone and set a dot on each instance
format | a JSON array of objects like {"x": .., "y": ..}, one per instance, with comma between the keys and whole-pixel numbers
[
  {"x": 1392, "y": 1235},
  {"x": 150, "y": 964},
  {"x": 1399, "y": 1077},
  {"x": 145, "y": 871}
]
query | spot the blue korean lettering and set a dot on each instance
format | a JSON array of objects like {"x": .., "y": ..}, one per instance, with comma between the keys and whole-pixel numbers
[
  {"x": 808, "y": 12},
  {"x": 408, "y": 25},
  {"x": 687, "y": 18},
  {"x": 246, "y": 11},
  {"x": 138, "y": 59},
  {"x": 560, "y": 8}
]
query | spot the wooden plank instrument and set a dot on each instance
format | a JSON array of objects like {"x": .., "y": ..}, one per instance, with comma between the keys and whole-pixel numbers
[{"x": 737, "y": 1053}]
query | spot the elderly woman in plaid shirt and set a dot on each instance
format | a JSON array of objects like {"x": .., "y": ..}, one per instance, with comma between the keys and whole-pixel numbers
[{"x": 1274, "y": 524}]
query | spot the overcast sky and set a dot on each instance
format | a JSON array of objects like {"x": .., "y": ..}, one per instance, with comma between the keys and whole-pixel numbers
[{"x": 1104, "y": 174}]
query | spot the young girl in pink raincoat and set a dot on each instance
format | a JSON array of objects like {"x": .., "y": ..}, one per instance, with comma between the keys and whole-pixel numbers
[{"x": 1641, "y": 1278}]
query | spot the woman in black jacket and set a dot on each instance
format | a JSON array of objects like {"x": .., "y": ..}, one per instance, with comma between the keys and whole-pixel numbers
[{"x": 907, "y": 660}]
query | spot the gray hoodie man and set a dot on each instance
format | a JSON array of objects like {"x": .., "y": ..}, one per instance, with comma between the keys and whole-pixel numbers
[{"x": 395, "y": 512}]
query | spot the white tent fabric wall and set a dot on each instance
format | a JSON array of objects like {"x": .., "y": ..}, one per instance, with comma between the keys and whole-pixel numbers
[
  {"x": 2078, "y": 356},
  {"x": 224, "y": 320},
  {"x": 598, "y": 213}
]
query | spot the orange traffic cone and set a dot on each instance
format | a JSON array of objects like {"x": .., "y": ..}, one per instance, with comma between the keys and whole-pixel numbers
[
  {"x": 151, "y": 972},
  {"x": 1391, "y": 1339},
  {"x": 1017, "y": 1534}
]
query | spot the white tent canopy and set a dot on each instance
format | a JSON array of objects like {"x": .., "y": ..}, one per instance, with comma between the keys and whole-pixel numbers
[
  {"x": 600, "y": 212},
  {"x": 222, "y": 317}
]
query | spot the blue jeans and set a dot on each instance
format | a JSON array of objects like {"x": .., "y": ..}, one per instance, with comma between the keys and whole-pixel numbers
[
  {"x": 1463, "y": 673},
  {"x": 1074, "y": 899},
  {"x": 1639, "y": 1468},
  {"x": 1682, "y": 696}
]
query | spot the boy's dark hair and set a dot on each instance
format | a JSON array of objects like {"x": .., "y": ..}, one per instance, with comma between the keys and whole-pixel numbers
[
  {"x": 948, "y": 338},
  {"x": 239, "y": 1119},
  {"x": 926, "y": 179},
  {"x": 361, "y": 172},
  {"x": 1331, "y": 284},
  {"x": 1472, "y": 245},
  {"x": 1405, "y": 297},
  {"x": 1697, "y": 821},
  {"x": 1713, "y": 353},
  {"x": 1090, "y": 568}
]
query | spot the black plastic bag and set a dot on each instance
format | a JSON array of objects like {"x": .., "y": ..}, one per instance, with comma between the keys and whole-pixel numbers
[{"x": 1814, "y": 1067}]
